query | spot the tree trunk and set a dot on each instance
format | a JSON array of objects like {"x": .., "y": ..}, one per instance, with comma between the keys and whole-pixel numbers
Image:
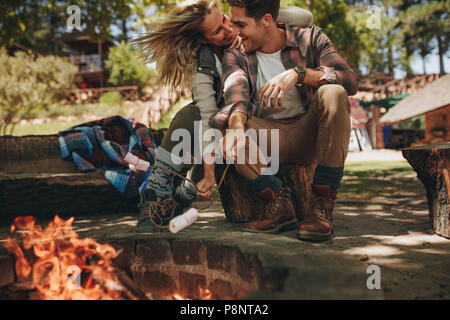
[
  {"x": 441, "y": 55},
  {"x": 424, "y": 64},
  {"x": 124, "y": 30},
  {"x": 432, "y": 164},
  {"x": 241, "y": 204}
]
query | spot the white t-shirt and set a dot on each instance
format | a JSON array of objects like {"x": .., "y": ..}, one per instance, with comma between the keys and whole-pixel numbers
[{"x": 269, "y": 66}]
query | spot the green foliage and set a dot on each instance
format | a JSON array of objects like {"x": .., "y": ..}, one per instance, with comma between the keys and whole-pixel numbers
[
  {"x": 331, "y": 17},
  {"x": 28, "y": 83},
  {"x": 126, "y": 67},
  {"x": 111, "y": 98}
]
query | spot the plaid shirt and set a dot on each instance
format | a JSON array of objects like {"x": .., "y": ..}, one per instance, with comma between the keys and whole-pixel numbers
[{"x": 308, "y": 47}]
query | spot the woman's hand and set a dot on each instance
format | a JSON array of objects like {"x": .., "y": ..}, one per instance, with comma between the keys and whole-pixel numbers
[
  {"x": 205, "y": 185},
  {"x": 236, "y": 43}
]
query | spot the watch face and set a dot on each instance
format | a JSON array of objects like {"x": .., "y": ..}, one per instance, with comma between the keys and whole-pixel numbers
[{"x": 300, "y": 69}]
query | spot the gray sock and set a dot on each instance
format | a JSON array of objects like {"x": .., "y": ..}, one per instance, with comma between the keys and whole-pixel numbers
[
  {"x": 185, "y": 193},
  {"x": 160, "y": 180}
]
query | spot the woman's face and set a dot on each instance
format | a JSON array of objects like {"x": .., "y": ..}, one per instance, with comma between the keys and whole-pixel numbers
[{"x": 217, "y": 29}]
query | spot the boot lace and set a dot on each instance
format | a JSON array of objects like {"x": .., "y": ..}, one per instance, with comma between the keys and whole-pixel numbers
[{"x": 160, "y": 213}]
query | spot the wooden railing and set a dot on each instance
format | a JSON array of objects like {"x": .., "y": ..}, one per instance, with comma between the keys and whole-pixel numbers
[
  {"x": 91, "y": 94},
  {"x": 87, "y": 63}
]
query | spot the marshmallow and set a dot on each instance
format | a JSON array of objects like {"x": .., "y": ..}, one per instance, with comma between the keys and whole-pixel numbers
[
  {"x": 183, "y": 221},
  {"x": 131, "y": 159},
  {"x": 135, "y": 163}
]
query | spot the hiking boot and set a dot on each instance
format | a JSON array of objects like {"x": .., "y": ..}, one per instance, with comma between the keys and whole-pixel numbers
[
  {"x": 318, "y": 222},
  {"x": 278, "y": 215},
  {"x": 155, "y": 216}
]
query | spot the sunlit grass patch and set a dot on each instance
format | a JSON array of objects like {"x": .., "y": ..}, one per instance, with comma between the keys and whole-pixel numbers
[{"x": 379, "y": 179}]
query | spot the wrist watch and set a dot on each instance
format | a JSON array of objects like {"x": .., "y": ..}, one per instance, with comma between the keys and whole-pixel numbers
[{"x": 301, "y": 71}]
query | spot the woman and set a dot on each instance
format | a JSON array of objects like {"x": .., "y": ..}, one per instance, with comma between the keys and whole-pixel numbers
[{"x": 188, "y": 47}]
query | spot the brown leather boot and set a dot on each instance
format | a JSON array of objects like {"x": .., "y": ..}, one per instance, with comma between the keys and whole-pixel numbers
[
  {"x": 278, "y": 215},
  {"x": 318, "y": 222}
]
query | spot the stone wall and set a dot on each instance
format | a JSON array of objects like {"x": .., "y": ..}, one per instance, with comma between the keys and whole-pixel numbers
[{"x": 163, "y": 268}]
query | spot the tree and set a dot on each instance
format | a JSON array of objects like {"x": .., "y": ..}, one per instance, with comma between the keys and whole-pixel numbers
[
  {"x": 28, "y": 83},
  {"x": 331, "y": 17},
  {"x": 126, "y": 67},
  {"x": 423, "y": 22}
]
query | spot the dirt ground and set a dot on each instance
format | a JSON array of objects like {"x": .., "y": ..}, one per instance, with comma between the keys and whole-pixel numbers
[
  {"x": 392, "y": 232},
  {"x": 375, "y": 155}
]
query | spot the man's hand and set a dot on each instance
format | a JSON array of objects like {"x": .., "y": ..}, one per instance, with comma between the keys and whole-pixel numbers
[
  {"x": 277, "y": 87},
  {"x": 232, "y": 144},
  {"x": 205, "y": 186}
]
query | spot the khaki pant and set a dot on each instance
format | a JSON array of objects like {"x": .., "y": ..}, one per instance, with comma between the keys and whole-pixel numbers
[{"x": 321, "y": 135}]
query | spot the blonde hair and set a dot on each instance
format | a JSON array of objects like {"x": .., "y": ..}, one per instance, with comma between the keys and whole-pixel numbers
[{"x": 174, "y": 43}]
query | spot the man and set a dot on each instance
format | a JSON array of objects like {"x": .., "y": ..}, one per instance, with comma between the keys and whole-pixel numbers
[{"x": 307, "y": 84}]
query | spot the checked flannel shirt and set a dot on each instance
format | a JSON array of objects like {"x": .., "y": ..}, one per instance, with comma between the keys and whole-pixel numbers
[{"x": 308, "y": 47}]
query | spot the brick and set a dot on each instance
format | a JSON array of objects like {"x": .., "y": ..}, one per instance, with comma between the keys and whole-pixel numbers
[
  {"x": 222, "y": 290},
  {"x": 220, "y": 257},
  {"x": 6, "y": 270},
  {"x": 187, "y": 253},
  {"x": 124, "y": 260},
  {"x": 189, "y": 283},
  {"x": 155, "y": 282},
  {"x": 248, "y": 267},
  {"x": 154, "y": 252}
]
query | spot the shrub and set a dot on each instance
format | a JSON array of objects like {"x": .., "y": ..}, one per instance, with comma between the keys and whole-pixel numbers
[
  {"x": 127, "y": 68},
  {"x": 111, "y": 98},
  {"x": 28, "y": 83}
]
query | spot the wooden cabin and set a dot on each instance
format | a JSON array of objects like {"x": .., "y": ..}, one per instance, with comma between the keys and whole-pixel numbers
[
  {"x": 432, "y": 101},
  {"x": 89, "y": 57},
  {"x": 380, "y": 97}
]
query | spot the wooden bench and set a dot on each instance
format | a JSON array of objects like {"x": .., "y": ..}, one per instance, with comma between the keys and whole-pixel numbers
[{"x": 432, "y": 164}]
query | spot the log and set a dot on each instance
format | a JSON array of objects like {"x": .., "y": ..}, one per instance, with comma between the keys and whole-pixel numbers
[
  {"x": 432, "y": 164},
  {"x": 34, "y": 180},
  {"x": 241, "y": 204}
]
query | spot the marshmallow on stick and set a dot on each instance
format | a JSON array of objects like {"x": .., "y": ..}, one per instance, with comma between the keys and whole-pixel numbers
[
  {"x": 183, "y": 221},
  {"x": 135, "y": 163}
]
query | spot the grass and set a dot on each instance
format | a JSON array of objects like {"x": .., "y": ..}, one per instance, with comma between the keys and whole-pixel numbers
[
  {"x": 52, "y": 127},
  {"x": 77, "y": 113},
  {"x": 379, "y": 179},
  {"x": 170, "y": 114}
]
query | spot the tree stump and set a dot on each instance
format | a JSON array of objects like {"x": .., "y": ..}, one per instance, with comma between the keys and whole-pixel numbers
[
  {"x": 432, "y": 164},
  {"x": 241, "y": 204}
]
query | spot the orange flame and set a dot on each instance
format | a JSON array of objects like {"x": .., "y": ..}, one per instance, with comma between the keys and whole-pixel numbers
[
  {"x": 67, "y": 268},
  {"x": 204, "y": 294}
]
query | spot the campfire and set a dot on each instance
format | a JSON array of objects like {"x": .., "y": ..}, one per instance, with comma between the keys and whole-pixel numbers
[{"x": 64, "y": 267}]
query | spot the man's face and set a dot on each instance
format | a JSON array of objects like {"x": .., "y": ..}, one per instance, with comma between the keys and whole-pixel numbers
[
  {"x": 217, "y": 29},
  {"x": 250, "y": 30}
]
